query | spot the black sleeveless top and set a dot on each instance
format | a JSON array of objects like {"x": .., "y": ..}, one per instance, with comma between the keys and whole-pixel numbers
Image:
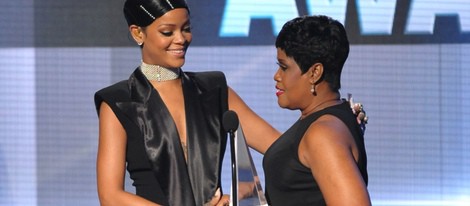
[
  {"x": 288, "y": 181},
  {"x": 154, "y": 156}
]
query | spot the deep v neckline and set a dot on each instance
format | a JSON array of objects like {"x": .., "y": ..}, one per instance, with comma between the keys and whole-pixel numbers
[{"x": 182, "y": 131}]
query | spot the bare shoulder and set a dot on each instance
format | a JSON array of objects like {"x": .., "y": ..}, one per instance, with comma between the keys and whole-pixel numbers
[
  {"x": 328, "y": 136},
  {"x": 328, "y": 129}
]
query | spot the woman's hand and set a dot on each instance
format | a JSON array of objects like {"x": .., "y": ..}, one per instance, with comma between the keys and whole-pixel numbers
[
  {"x": 219, "y": 200},
  {"x": 359, "y": 111},
  {"x": 224, "y": 201}
]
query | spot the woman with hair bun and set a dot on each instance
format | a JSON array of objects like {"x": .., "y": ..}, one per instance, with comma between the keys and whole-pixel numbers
[{"x": 163, "y": 124}]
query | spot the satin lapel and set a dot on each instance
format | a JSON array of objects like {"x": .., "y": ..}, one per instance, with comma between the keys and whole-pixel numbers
[
  {"x": 203, "y": 115},
  {"x": 161, "y": 139}
]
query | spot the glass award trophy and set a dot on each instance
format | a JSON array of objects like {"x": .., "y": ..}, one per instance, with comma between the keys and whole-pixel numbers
[{"x": 249, "y": 190}]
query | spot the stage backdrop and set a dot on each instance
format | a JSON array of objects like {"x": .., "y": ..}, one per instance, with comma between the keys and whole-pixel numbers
[{"x": 409, "y": 66}]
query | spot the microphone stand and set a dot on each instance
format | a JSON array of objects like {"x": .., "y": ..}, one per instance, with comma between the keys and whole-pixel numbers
[
  {"x": 234, "y": 169},
  {"x": 230, "y": 123}
]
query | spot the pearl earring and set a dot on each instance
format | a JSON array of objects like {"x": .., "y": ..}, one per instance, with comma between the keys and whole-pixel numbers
[{"x": 312, "y": 90}]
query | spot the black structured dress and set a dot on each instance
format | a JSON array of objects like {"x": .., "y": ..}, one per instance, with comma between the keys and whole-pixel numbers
[
  {"x": 154, "y": 155},
  {"x": 288, "y": 181}
]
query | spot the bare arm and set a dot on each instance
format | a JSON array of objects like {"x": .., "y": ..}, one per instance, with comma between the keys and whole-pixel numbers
[
  {"x": 110, "y": 164},
  {"x": 329, "y": 150},
  {"x": 258, "y": 133}
]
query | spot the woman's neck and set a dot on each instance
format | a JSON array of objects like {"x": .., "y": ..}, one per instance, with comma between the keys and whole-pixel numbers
[
  {"x": 158, "y": 73},
  {"x": 320, "y": 103}
]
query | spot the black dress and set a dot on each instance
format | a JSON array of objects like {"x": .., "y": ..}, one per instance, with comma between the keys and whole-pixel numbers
[
  {"x": 154, "y": 155},
  {"x": 288, "y": 182}
]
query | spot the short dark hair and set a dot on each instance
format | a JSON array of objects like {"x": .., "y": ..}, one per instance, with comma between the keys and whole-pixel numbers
[
  {"x": 316, "y": 39},
  {"x": 144, "y": 12}
]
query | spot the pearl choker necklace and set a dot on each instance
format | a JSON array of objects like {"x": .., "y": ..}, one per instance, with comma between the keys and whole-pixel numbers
[{"x": 159, "y": 73}]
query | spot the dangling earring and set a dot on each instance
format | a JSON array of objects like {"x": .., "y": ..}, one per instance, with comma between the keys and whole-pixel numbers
[{"x": 312, "y": 90}]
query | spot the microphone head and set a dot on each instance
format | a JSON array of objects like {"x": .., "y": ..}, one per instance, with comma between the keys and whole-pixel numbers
[{"x": 230, "y": 121}]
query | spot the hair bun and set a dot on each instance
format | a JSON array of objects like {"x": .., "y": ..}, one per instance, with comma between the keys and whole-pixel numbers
[{"x": 144, "y": 12}]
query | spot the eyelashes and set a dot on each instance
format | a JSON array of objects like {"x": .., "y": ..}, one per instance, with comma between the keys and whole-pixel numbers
[
  {"x": 188, "y": 29},
  {"x": 167, "y": 34},
  {"x": 282, "y": 67},
  {"x": 170, "y": 33}
]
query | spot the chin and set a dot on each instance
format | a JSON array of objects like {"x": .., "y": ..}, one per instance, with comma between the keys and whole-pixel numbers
[
  {"x": 285, "y": 106},
  {"x": 281, "y": 105},
  {"x": 178, "y": 64}
]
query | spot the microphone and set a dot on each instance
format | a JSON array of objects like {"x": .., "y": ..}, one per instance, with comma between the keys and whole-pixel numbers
[{"x": 230, "y": 123}]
